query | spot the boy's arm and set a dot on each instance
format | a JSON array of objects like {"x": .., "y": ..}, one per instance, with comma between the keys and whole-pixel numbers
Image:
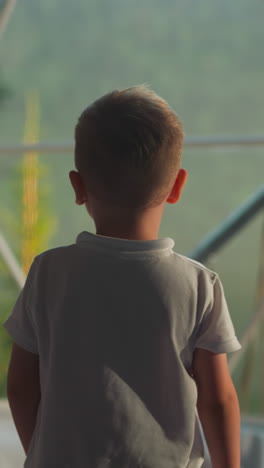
[
  {"x": 218, "y": 408},
  {"x": 23, "y": 392}
]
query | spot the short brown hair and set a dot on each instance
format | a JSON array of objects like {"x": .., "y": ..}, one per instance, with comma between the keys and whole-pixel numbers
[{"x": 128, "y": 148}]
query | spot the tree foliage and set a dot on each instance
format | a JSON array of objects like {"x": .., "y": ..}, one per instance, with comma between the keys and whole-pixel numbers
[{"x": 13, "y": 223}]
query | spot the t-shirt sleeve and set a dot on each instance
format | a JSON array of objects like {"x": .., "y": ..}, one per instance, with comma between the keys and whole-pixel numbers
[
  {"x": 20, "y": 324},
  {"x": 216, "y": 331}
]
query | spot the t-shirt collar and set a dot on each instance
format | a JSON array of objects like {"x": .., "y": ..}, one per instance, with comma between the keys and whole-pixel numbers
[{"x": 115, "y": 244}]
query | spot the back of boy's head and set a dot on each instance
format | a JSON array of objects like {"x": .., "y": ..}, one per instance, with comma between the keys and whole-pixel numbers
[{"x": 128, "y": 148}]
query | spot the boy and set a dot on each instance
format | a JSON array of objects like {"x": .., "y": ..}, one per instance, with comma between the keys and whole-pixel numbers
[{"x": 117, "y": 338}]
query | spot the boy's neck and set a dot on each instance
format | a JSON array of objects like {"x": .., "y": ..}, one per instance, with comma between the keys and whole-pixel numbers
[
  {"x": 123, "y": 226},
  {"x": 146, "y": 228}
]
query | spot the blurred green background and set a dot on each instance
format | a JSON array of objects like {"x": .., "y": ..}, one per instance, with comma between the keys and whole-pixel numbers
[{"x": 205, "y": 58}]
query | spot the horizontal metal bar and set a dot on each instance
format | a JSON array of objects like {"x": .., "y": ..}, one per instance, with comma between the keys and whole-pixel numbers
[
  {"x": 218, "y": 141},
  {"x": 233, "y": 223},
  {"x": 48, "y": 148},
  {"x": 189, "y": 142}
]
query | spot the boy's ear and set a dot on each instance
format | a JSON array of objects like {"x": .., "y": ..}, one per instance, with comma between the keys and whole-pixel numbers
[
  {"x": 178, "y": 186},
  {"x": 78, "y": 187}
]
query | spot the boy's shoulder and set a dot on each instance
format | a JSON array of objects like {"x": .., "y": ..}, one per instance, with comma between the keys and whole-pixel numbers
[
  {"x": 193, "y": 267},
  {"x": 61, "y": 253},
  {"x": 56, "y": 251},
  {"x": 187, "y": 267}
]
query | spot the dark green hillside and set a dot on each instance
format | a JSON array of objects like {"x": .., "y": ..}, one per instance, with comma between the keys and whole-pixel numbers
[{"x": 206, "y": 58}]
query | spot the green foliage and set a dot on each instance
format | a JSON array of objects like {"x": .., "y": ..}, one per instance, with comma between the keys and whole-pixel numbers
[
  {"x": 8, "y": 292},
  {"x": 12, "y": 221},
  {"x": 5, "y": 91}
]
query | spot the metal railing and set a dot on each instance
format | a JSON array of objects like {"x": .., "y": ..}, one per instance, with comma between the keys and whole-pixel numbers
[
  {"x": 189, "y": 142},
  {"x": 206, "y": 247},
  {"x": 217, "y": 239},
  {"x": 227, "y": 229}
]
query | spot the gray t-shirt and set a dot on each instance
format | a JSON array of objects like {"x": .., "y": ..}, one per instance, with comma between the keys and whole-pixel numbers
[{"x": 115, "y": 323}]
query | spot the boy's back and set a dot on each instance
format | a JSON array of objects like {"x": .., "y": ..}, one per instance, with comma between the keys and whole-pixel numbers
[
  {"x": 115, "y": 323},
  {"x": 118, "y": 340}
]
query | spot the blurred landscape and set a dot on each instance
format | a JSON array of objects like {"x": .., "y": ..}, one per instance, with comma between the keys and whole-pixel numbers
[{"x": 205, "y": 58}]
